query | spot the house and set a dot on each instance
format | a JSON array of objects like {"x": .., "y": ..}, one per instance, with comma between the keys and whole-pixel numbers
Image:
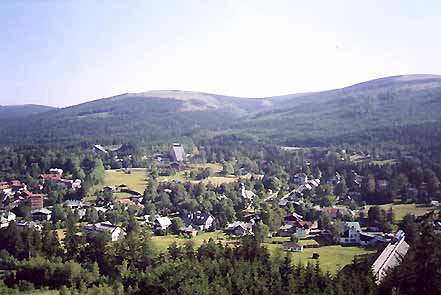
[
  {"x": 369, "y": 239},
  {"x": 6, "y": 217},
  {"x": 76, "y": 185},
  {"x": 36, "y": 199},
  {"x": 56, "y": 171},
  {"x": 41, "y": 214},
  {"x": 391, "y": 257},
  {"x": 99, "y": 149},
  {"x": 177, "y": 153},
  {"x": 247, "y": 194},
  {"x": 345, "y": 200},
  {"x": 351, "y": 233},
  {"x": 188, "y": 231},
  {"x": 292, "y": 218},
  {"x": 73, "y": 204},
  {"x": 286, "y": 230},
  {"x": 115, "y": 232},
  {"x": 199, "y": 220},
  {"x": 300, "y": 178},
  {"x": 161, "y": 223},
  {"x": 240, "y": 228},
  {"x": 292, "y": 247},
  {"x": 303, "y": 228}
]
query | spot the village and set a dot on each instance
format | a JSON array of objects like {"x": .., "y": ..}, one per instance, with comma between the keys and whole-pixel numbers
[{"x": 301, "y": 220}]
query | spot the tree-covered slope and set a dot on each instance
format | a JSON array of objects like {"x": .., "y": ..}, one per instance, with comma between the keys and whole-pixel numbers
[{"x": 383, "y": 107}]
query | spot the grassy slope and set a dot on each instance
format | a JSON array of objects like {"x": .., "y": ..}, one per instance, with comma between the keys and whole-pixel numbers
[
  {"x": 331, "y": 258},
  {"x": 401, "y": 210}
]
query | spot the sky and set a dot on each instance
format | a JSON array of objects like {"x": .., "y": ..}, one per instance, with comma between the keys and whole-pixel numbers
[{"x": 66, "y": 52}]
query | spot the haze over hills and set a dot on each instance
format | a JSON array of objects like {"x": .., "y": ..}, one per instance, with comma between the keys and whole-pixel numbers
[
  {"x": 17, "y": 111},
  {"x": 308, "y": 118}
]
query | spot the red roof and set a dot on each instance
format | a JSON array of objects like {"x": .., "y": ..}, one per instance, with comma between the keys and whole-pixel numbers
[{"x": 4, "y": 186}]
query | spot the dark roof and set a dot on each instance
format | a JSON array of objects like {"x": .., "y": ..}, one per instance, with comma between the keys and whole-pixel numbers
[{"x": 198, "y": 218}]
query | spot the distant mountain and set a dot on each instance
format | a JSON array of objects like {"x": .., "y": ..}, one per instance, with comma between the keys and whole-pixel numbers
[
  {"x": 17, "y": 111},
  {"x": 366, "y": 108}
]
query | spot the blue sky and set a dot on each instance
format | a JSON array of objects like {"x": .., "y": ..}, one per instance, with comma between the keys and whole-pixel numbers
[{"x": 66, "y": 52}]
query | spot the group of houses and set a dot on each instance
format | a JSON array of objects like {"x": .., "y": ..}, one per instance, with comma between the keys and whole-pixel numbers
[
  {"x": 296, "y": 196},
  {"x": 55, "y": 177}
]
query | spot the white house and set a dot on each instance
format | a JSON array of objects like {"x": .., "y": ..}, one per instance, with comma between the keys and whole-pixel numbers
[
  {"x": 351, "y": 233},
  {"x": 115, "y": 232},
  {"x": 41, "y": 214},
  {"x": 6, "y": 217},
  {"x": 161, "y": 223}
]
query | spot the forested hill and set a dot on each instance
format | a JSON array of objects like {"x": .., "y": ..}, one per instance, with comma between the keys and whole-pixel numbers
[
  {"x": 381, "y": 107},
  {"x": 19, "y": 111}
]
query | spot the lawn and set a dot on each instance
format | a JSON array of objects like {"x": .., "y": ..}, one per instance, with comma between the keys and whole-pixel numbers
[
  {"x": 332, "y": 258},
  {"x": 401, "y": 210},
  {"x": 136, "y": 180},
  {"x": 216, "y": 179},
  {"x": 161, "y": 243}
]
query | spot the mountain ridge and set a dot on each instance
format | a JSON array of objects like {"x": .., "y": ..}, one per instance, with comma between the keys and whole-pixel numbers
[{"x": 170, "y": 114}]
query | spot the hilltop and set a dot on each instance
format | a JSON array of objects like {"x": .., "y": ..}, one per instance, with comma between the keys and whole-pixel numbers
[{"x": 371, "y": 107}]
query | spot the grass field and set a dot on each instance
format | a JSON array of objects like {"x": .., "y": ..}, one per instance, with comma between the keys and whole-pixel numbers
[
  {"x": 136, "y": 180},
  {"x": 216, "y": 179},
  {"x": 401, "y": 210},
  {"x": 331, "y": 258},
  {"x": 161, "y": 243}
]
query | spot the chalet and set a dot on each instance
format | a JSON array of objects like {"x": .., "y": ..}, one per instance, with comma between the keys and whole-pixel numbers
[
  {"x": 115, "y": 232},
  {"x": 199, "y": 221},
  {"x": 56, "y": 171},
  {"x": 300, "y": 178},
  {"x": 303, "y": 228},
  {"x": 369, "y": 239},
  {"x": 286, "y": 230},
  {"x": 42, "y": 214},
  {"x": 99, "y": 149},
  {"x": 188, "y": 231},
  {"x": 351, "y": 233},
  {"x": 161, "y": 223},
  {"x": 247, "y": 194},
  {"x": 292, "y": 247},
  {"x": 240, "y": 228},
  {"x": 391, "y": 257},
  {"x": 292, "y": 218},
  {"x": 36, "y": 199},
  {"x": 6, "y": 217},
  {"x": 73, "y": 204},
  {"x": 177, "y": 153},
  {"x": 127, "y": 202}
]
